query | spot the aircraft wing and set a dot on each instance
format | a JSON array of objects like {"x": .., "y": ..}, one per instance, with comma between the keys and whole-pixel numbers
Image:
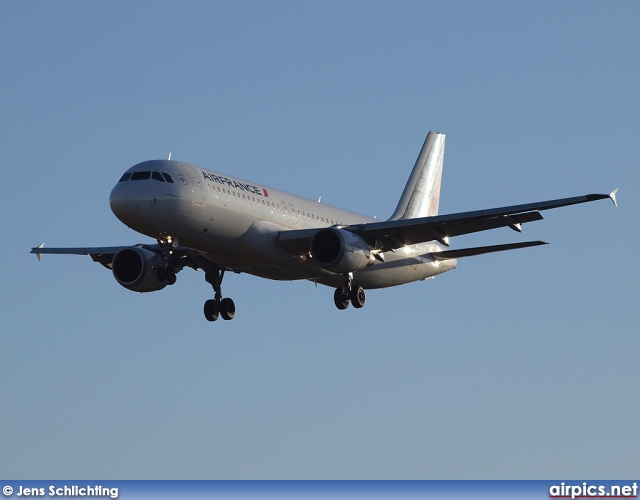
[
  {"x": 393, "y": 234},
  {"x": 41, "y": 250},
  {"x": 104, "y": 255},
  {"x": 397, "y": 233}
]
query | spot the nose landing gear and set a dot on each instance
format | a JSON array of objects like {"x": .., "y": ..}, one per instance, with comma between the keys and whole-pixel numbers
[{"x": 167, "y": 272}]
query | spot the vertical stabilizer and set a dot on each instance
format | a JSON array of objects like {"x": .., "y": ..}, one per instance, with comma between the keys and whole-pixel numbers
[{"x": 421, "y": 195}]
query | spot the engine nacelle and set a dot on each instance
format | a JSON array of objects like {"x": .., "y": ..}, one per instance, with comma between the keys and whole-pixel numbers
[
  {"x": 340, "y": 251},
  {"x": 137, "y": 269}
]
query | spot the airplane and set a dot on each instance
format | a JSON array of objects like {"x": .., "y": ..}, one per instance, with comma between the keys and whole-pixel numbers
[{"x": 215, "y": 222}]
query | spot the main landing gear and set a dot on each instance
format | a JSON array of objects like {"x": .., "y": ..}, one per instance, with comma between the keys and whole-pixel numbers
[
  {"x": 216, "y": 307},
  {"x": 348, "y": 293}
]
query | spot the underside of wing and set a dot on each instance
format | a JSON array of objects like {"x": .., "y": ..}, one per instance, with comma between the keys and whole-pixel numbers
[{"x": 297, "y": 241}]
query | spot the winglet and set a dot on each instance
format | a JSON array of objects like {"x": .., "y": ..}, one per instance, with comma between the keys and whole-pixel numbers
[
  {"x": 39, "y": 255},
  {"x": 613, "y": 196}
]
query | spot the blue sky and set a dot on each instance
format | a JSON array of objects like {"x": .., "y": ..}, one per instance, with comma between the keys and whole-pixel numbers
[{"x": 515, "y": 365}]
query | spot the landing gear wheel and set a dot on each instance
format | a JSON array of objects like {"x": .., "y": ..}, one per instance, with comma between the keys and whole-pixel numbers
[
  {"x": 227, "y": 309},
  {"x": 341, "y": 298},
  {"x": 171, "y": 276},
  {"x": 358, "y": 297},
  {"x": 211, "y": 310},
  {"x": 166, "y": 274},
  {"x": 161, "y": 274}
]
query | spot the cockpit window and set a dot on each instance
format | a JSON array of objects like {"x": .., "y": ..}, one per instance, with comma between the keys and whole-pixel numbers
[{"x": 139, "y": 176}]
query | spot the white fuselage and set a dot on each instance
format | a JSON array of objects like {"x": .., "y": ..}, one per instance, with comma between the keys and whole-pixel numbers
[{"x": 236, "y": 224}]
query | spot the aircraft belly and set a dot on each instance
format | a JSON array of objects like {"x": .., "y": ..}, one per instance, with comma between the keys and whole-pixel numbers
[
  {"x": 215, "y": 231},
  {"x": 262, "y": 255},
  {"x": 406, "y": 265},
  {"x": 401, "y": 271}
]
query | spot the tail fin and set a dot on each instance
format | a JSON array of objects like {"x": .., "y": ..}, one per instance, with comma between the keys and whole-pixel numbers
[{"x": 421, "y": 195}]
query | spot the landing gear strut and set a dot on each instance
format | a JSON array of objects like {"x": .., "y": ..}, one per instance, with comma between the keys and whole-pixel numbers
[
  {"x": 342, "y": 296},
  {"x": 167, "y": 272},
  {"x": 216, "y": 307}
]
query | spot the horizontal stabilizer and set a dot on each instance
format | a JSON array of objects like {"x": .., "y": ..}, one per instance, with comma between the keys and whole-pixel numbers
[
  {"x": 614, "y": 196},
  {"x": 38, "y": 251},
  {"x": 470, "y": 252}
]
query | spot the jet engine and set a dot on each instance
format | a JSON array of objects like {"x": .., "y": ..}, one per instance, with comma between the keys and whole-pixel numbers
[
  {"x": 340, "y": 251},
  {"x": 137, "y": 269}
]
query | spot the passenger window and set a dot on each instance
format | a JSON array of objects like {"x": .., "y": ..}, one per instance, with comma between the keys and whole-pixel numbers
[
  {"x": 157, "y": 176},
  {"x": 125, "y": 177},
  {"x": 167, "y": 177},
  {"x": 140, "y": 176}
]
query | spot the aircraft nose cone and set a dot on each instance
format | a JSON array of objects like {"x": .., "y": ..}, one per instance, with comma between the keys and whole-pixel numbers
[{"x": 121, "y": 204}]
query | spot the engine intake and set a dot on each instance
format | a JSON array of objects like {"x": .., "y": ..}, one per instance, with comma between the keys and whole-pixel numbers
[
  {"x": 137, "y": 269},
  {"x": 340, "y": 251}
]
